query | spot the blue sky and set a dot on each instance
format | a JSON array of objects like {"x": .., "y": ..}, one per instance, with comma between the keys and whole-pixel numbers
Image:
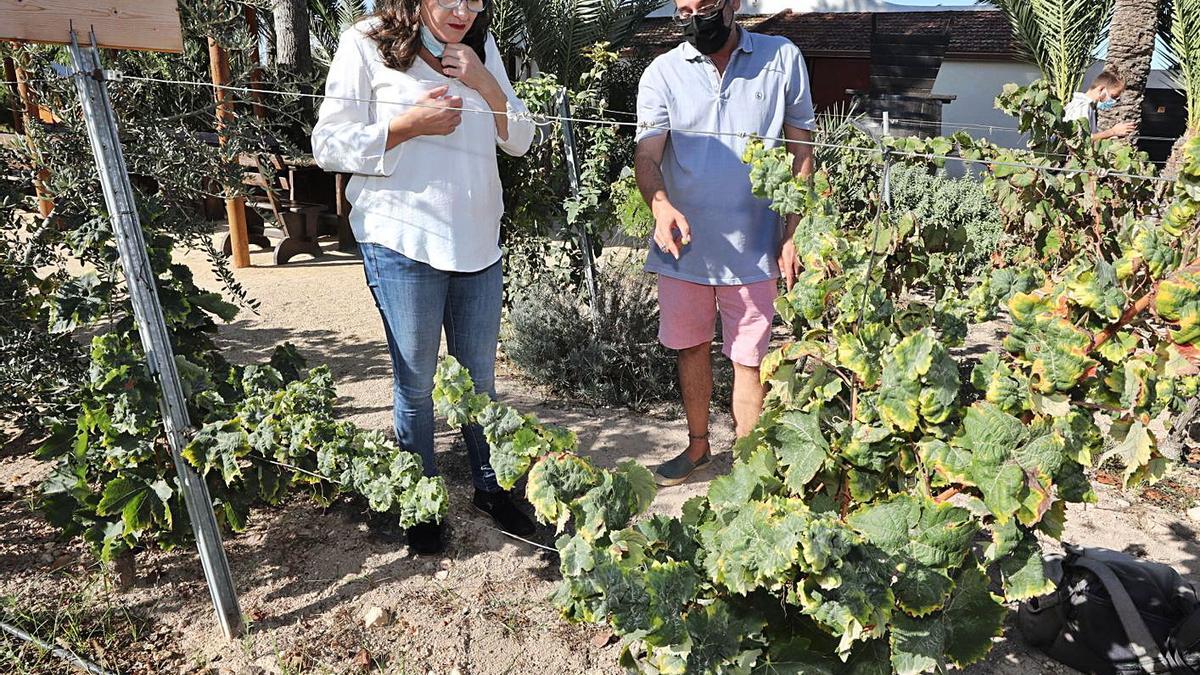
[{"x": 930, "y": 3}]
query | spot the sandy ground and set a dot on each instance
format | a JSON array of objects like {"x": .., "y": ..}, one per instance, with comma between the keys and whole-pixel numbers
[{"x": 306, "y": 575}]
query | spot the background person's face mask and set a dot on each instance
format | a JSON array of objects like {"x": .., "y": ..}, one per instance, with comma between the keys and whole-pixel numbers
[
  {"x": 1108, "y": 103},
  {"x": 707, "y": 33}
]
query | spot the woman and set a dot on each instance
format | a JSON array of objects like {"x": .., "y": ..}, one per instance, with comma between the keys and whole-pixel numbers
[{"x": 416, "y": 102}]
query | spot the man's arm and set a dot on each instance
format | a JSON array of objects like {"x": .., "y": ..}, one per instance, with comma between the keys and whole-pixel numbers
[
  {"x": 647, "y": 168},
  {"x": 802, "y": 165},
  {"x": 1119, "y": 131}
]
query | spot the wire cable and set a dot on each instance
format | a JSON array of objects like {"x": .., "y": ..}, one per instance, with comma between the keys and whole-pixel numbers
[{"x": 543, "y": 120}]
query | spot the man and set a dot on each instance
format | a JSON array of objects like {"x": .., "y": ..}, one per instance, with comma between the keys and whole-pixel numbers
[
  {"x": 1103, "y": 94},
  {"x": 716, "y": 247}
]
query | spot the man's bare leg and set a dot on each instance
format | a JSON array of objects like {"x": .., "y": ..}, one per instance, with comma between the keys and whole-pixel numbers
[
  {"x": 747, "y": 398},
  {"x": 696, "y": 384}
]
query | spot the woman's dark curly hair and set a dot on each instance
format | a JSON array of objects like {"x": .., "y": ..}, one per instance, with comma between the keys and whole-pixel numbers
[{"x": 397, "y": 30}]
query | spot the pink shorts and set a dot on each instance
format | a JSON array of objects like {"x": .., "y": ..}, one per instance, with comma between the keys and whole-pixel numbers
[{"x": 688, "y": 316}]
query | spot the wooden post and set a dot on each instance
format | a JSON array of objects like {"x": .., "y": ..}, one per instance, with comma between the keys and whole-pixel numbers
[
  {"x": 14, "y": 99},
  {"x": 29, "y": 103},
  {"x": 235, "y": 207},
  {"x": 256, "y": 74}
]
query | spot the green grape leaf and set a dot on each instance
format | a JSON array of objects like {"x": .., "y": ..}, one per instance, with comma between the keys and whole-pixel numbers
[
  {"x": 917, "y": 644},
  {"x": 556, "y": 481},
  {"x": 922, "y": 590},
  {"x": 972, "y": 617},
  {"x": 425, "y": 502},
  {"x": 117, "y": 493},
  {"x": 854, "y": 356},
  {"x": 941, "y": 388},
  {"x": 1022, "y": 571},
  {"x": 750, "y": 478},
  {"x": 756, "y": 548},
  {"x": 951, "y": 462},
  {"x": 935, "y": 535},
  {"x": 575, "y": 556},
  {"x": 1134, "y": 451},
  {"x": 802, "y": 448},
  {"x": 1002, "y": 487},
  {"x": 715, "y": 631},
  {"x": 672, "y": 588}
]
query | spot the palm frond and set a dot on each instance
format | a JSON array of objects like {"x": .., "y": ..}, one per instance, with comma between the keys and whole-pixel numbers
[
  {"x": 1060, "y": 37},
  {"x": 558, "y": 32},
  {"x": 323, "y": 29},
  {"x": 1183, "y": 46},
  {"x": 350, "y": 12}
]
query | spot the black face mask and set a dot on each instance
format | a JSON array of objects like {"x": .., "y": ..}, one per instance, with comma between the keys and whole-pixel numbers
[{"x": 707, "y": 34}]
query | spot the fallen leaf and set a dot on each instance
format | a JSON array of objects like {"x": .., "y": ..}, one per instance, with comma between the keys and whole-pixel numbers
[{"x": 602, "y": 639}]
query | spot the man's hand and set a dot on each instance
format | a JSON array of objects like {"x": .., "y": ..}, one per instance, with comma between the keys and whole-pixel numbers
[
  {"x": 671, "y": 229},
  {"x": 1121, "y": 130},
  {"x": 789, "y": 263}
]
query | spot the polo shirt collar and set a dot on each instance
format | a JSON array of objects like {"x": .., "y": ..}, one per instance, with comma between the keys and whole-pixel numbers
[{"x": 745, "y": 44}]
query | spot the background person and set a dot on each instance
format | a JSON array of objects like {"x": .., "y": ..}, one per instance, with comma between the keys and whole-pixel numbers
[
  {"x": 427, "y": 205},
  {"x": 1102, "y": 95},
  {"x": 717, "y": 248}
]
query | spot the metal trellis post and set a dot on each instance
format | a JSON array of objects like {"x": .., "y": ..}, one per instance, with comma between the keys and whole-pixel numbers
[
  {"x": 101, "y": 121},
  {"x": 585, "y": 239}
]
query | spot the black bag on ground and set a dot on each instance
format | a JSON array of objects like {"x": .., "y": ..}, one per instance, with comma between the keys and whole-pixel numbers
[{"x": 1114, "y": 613}]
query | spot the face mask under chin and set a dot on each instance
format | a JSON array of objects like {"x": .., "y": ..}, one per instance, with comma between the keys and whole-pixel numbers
[{"x": 707, "y": 34}]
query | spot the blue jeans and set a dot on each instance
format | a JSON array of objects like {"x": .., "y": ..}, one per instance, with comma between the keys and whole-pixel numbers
[{"x": 417, "y": 302}]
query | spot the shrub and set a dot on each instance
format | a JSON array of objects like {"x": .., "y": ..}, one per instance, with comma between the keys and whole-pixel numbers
[
  {"x": 615, "y": 361},
  {"x": 959, "y": 207}
]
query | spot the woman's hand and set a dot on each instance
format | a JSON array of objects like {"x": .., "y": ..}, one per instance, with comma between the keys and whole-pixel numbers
[
  {"x": 462, "y": 63},
  {"x": 434, "y": 114}
]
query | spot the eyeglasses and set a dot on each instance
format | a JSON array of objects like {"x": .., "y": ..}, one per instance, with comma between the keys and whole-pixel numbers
[
  {"x": 707, "y": 11},
  {"x": 473, "y": 6}
]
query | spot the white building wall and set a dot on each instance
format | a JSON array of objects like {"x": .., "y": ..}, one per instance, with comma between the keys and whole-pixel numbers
[{"x": 976, "y": 84}]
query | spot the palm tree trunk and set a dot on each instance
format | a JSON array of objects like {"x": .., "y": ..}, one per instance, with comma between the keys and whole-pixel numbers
[
  {"x": 293, "y": 49},
  {"x": 1130, "y": 50}
]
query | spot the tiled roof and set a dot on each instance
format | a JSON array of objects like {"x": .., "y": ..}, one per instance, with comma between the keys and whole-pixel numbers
[{"x": 974, "y": 33}]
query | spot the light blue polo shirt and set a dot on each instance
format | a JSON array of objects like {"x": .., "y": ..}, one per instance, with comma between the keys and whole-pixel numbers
[{"x": 735, "y": 237}]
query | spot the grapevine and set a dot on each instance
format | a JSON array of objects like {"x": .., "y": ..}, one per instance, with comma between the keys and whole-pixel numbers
[{"x": 887, "y": 481}]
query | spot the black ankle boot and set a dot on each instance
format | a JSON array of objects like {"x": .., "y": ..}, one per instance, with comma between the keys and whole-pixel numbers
[
  {"x": 425, "y": 539},
  {"x": 502, "y": 509}
]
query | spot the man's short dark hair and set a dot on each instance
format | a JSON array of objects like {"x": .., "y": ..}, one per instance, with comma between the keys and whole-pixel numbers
[{"x": 1109, "y": 78}]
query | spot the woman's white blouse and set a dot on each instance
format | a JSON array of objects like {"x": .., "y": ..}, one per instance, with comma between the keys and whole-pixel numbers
[{"x": 435, "y": 199}]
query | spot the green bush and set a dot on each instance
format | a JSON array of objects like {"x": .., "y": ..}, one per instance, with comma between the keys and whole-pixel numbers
[
  {"x": 617, "y": 361},
  {"x": 958, "y": 207}
]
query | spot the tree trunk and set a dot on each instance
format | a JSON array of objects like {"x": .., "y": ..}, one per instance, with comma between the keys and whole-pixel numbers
[
  {"x": 293, "y": 50},
  {"x": 1175, "y": 162},
  {"x": 1130, "y": 50}
]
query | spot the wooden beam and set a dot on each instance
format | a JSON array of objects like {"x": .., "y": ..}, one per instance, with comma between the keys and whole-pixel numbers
[
  {"x": 256, "y": 73},
  {"x": 119, "y": 24},
  {"x": 14, "y": 96},
  {"x": 235, "y": 207}
]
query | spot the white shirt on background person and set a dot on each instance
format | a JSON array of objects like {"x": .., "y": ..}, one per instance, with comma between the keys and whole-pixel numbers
[{"x": 1081, "y": 108}]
